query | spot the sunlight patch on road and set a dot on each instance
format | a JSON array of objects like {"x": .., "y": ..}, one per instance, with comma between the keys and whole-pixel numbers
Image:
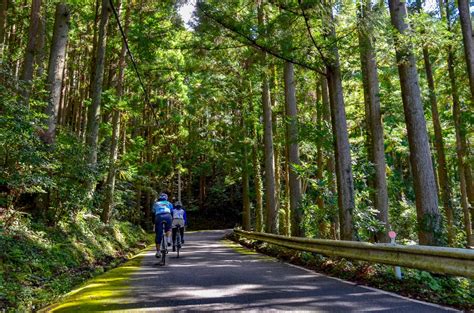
[{"x": 210, "y": 293}]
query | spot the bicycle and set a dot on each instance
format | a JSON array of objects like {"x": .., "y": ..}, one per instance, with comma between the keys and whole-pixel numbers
[
  {"x": 163, "y": 244},
  {"x": 177, "y": 241}
]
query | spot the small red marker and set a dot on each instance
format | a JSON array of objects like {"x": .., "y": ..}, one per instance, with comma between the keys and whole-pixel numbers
[{"x": 392, "y": 234}]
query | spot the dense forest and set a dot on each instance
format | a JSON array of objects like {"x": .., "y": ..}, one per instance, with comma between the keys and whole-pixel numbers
[{"x": 326, "y": 119}]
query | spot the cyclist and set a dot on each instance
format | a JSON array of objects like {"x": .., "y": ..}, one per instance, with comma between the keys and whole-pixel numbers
[
  {"x": 179, "y": 219},
  {"x": 161, "y": 212}
]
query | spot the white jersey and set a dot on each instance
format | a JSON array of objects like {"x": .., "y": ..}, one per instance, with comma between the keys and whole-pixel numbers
[{"x": 178, "y": 214}]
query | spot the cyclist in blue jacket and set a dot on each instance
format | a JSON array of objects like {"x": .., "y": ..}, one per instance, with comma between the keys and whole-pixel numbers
[
  {"x": 161, "y": 211},
  {"x": 179, "y": 219}
]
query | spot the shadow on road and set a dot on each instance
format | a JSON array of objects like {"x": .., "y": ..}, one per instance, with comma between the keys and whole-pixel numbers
[{"x": 212, "y": 276}]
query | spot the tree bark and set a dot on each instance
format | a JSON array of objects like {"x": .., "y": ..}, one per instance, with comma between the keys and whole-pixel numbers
[
  {"x": 428, "y": 216},
  {"x": 257, "y": 176},
  {"x": 113, "y": 155},
  {"x": 375, "y": 138},
  {"x": 460, "y": 150},
  {"x": 30, "y": 52},
  {"x": 468, "y": 41},
  {"x": 271, "y": 225},
  {"x": 57, "y": 60},
  {"x": 276, "y": 146},
  {"x": 345, "y": 185},
  {"x": 344, "y": 179},
  {"x": 3, "y": 24},
  {"x": 293, "y": 149},
  {"x": 460, "y": 142},
  {"x": 443, "y": 179},
  {"x": 93, "y": 119},
  {"x": 40, "y": 47},
  {"x": 466, "y": 27},
  {"x": 330, "y": 161},
  {"x": 110, "y": 183},
  {"x": 287, "y": 221},
  {"x": 245, "y": 179},
  {"x": 319, "y": 146},
  {"x": 258, "y": 189}
]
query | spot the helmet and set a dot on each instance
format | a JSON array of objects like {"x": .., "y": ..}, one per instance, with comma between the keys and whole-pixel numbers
[
  {"x": 163, "y": 196},
  {"x": 178, "y": 204}
]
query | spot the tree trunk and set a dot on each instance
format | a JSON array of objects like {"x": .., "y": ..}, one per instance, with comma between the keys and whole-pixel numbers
[
  {"x": 30, "y": 52},
  {"x": 345, "y": 185},
  {"x": 428, "y": 216},
  {"x": 287, "y": 221},
  {"x": 57, "y": 60},
  {"x": 460, "y": 151},
  {"x": 443, "y": 179},
  {"x": 460, "y": 143},
  {"x": 40, "y": 47},
  {"x": 468, "y": 40},
  {"x": 94, "y": 110},
  {"x": 63, "y": 94},
  {"x": 273, "y": 103},
  {"x": 319, "y": 147},
  {"x": 113, "y": 155},
  {"x": 271, "y": 225},
  {"x": 3, "y": 24},
  {"x": 245, "y": 180},
  {"x": 293, "y": 149},
  {"x": 376, "y": 149},
  {"x": 202, "y": 191},
  {"x": 344, "y": 179},
  {"x": 110, "y": 183},
  {"x": 257, "y": 176},
  {"x": 466, "y": 27},
  {"x": 330, "y": 161}
]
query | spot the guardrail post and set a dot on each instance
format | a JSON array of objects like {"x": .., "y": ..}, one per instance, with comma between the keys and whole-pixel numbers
[{"x": 398, "y": 270}]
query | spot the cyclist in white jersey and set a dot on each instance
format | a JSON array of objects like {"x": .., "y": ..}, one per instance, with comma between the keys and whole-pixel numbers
[{"x": 179, "y": 219}]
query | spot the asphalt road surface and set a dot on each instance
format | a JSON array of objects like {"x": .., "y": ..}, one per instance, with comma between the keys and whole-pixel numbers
[{"x": 210, "y": 275}]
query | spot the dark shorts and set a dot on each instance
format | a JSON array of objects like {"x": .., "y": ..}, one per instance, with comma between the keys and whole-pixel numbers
[{"x": 159, "y": 219}]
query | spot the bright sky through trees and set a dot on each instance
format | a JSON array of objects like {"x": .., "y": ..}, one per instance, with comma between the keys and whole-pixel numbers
[{"x": 186, "y": 12}]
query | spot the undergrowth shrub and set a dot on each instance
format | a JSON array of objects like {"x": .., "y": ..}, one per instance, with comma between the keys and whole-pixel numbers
[{"x": 40, "y": 263}]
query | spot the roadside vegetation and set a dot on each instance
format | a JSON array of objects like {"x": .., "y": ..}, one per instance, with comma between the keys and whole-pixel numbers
[
  {"x": 341, "y": 120},
  {"x": 40, "y": 263},
  {"x": 457, "y": 292}
]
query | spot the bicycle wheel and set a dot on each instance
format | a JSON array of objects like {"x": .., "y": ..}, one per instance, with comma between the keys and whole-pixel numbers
[
  {"x": 163, "y": 249},
  {"x": 178, "y": 242}
]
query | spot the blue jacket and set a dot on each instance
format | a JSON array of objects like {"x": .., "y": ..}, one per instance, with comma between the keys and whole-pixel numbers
[{"x": 161, "y": 207}]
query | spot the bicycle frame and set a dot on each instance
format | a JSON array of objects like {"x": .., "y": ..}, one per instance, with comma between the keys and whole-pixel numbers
[{"x": 163, "y": 244}]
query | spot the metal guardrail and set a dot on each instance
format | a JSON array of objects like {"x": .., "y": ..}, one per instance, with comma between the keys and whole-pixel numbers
[{"x": 452, "y": 261}]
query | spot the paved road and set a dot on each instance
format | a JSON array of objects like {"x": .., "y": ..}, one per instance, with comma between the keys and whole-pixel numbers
[{"x": 211, "y": 276}]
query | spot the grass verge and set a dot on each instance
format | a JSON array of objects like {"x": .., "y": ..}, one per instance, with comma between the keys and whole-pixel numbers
[
  {"x": 42, "y": 263},
  {"x": 104, "y": 292}
]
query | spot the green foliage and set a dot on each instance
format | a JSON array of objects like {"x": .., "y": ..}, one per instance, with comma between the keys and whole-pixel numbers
[
  {"x": 35, "y": 175},
  {"x": 40, "y": 263}
]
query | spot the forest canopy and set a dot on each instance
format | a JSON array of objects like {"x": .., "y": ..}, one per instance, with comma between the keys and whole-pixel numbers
[{"x": 325, "y": 119}]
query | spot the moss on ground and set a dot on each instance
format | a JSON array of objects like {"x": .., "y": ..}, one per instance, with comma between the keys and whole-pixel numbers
[
  {"x": 41, "y": 263},
  {"x": 104, "y": 291}
]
